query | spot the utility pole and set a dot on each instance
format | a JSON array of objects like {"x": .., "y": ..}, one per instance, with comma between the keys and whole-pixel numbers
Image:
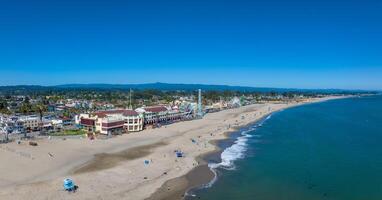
[
  {"x": 130, "y": 106},
  {"x": 221, "y": 102},
  {"x": 200, "y": 114},
  {"x": 6, "y": 136}
]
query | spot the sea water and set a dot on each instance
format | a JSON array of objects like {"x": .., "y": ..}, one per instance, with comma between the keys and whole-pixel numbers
[{"x": 328, "y": 150}]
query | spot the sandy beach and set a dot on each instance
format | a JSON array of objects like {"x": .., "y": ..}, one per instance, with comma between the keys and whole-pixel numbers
[{"x": 115, "y": 168}]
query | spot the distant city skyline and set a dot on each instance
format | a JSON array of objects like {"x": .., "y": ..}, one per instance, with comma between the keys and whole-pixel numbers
[{"x": 299, "y": 44}]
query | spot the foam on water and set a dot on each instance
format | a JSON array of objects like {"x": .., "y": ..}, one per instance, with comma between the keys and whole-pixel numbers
[
  {"x": 234, "y": 152},
  {"x": 230, "y": 154},
  {"x": 268, "y": 117}
]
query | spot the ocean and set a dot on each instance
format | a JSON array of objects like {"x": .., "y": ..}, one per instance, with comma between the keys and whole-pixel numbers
[{"x": 330, "y": 150}]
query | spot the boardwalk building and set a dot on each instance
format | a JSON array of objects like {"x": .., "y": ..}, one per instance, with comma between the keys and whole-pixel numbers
[
  {"x": 112, "y": 121},
  {"x": 159, "y": 115}
]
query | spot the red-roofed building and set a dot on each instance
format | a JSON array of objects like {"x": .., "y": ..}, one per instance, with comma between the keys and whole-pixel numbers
[
  {"x": 88, "y": 124},
  {"x": 113, "y": 121},
  {"x": 159, "y": 114}
]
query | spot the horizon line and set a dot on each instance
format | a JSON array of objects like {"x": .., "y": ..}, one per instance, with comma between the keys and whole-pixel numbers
[{"x": 203, "y": 84}]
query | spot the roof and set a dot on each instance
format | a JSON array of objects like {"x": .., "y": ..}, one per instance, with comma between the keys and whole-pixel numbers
[
  {"x": 87, "y": 122},
  {"x": 156, "y": 109},
  {"x": 65, "y": 118},
  {"x": 107, "y": 112},
  {"x": 28, "y": 117},
  {"x": 130, "y": 113},
  {"x": 102, "y": 114}
]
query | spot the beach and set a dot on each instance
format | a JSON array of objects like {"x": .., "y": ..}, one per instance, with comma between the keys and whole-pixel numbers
[{"x": 115, "y": 168}]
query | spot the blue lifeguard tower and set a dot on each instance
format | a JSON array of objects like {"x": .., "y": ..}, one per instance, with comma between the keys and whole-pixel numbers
[{"x": 69, "y": 185}]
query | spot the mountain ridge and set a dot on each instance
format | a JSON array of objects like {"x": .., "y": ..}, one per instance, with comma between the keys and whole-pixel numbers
[{"x": 172, "y": 87}]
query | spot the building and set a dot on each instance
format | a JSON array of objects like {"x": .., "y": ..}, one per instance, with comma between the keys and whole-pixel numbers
[
  {"x": 87, "y": 123},
  {"x": 111, "y": 121},
  {"x": 19, "y": 124},
  {"x": 111, "y": 124},
  {"x": 133, "y": 121},
  {"x": 67, "y": 121},
  {"x": 11, "y": 125},
  {"x": 235, "y": 102},
  {"x": 174, "y": 114},
  {"x": 57, "y": 123},
  {"x": 160, "y": 114},
  {"x": 153, "y": 115},
  {"x": 30, "y": 122},
  {"x": 47, "y": 124}
]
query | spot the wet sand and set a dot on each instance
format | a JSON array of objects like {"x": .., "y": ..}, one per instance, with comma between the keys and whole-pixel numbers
[
  {"x": 179, "y": 187},
  {"x": 175, "y": 189},
  {"x": 109, "y": 160}
]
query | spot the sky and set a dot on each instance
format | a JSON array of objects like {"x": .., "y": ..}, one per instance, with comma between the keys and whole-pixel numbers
[{"x": 268, "y": 43}]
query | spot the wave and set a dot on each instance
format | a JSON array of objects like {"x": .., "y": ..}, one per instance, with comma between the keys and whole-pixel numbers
[
  {"x": 234, "y": 152},
  {"x": 231, "y": 154}
]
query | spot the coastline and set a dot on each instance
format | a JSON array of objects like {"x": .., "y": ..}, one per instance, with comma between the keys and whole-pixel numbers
[
  {"x": 197, "y": 177},
  {"x": 125, "y": 176},
  {"x": 183, "y": 185}
]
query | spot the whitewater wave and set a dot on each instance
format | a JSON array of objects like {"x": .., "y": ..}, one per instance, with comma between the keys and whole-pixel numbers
[
  {"x": 262, "y": 122},
  {"x": 234, "y": 152},
  {"x": 268, "y": 117},
  {"x": 230, "y": 154}
]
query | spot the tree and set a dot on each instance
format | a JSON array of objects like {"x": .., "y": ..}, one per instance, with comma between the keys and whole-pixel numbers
[
  {"x": 4, "y": 107},
  {"x": 25, "y": 108},
  {"x": 40, "y": 108}
]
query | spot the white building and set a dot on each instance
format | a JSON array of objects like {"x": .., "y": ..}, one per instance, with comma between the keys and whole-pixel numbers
[
  {"x": 153, "y": 115},
  {"x": 30, "y": 122},
  {"x": 160, "y": 114},
  {"x": 112, "y": 121}
]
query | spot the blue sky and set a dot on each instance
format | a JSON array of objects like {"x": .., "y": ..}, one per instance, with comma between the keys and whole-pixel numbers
[{"x": 269, "y": 43}]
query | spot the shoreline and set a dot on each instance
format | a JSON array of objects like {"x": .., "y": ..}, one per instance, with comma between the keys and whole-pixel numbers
[
  {"x": 121, "y": 172},
  {"x": 204, "y": 170}
]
